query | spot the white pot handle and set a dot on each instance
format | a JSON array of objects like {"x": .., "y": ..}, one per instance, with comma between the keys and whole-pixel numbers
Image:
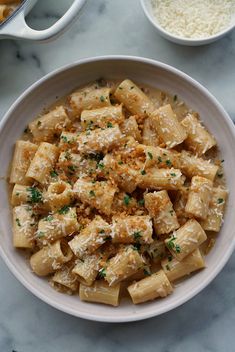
[{"x": 17, "y": 27}]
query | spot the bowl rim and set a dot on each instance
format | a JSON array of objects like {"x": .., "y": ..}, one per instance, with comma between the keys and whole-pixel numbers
[
  {"x": 184, "y": 40},
  {"x": 214, "y": 271}
]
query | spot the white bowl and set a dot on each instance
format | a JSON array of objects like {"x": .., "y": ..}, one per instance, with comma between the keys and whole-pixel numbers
[
  {"x": 61, "y": 82},
  {"x": 148, "y": 10}
]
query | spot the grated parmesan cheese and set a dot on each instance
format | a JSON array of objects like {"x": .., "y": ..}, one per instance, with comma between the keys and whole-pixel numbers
[{"x": 193, "y": 18}]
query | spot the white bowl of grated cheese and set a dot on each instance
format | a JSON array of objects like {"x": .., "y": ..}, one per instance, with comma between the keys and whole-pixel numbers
[{"x": 191, "y": 22}]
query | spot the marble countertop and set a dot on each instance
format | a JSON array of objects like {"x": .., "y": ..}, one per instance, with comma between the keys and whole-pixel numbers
[{"x": 206, "y": 323}]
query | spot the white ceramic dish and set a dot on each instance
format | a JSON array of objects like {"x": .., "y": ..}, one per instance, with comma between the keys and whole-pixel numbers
[
  {"x": 59, "y": 83},
  {"x": 148, "y": 10},
  {"x": 15, "y": 26}
]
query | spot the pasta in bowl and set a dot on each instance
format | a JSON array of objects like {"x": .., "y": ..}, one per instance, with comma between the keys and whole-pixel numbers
[{"x": 117, "y": 192}]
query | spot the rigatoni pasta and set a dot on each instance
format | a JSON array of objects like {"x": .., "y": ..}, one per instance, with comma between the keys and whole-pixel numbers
[{"x": 114, "y": 191}]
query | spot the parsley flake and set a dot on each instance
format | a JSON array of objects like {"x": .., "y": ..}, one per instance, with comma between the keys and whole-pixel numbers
[
  {"x": 18, "y": 222},
  {"x": 137, "y": 235},
  {"x": 53, "y": 173},
  {"x": 143, "y": 172},
  {"x": 126, "y": 199},
  {"x": 102, "y": 98},
  {"x": 64, "y": 209},
  {"x": 92, "y": 193},
  {"x": 220, "y": 200},
  {"x": 109, "y": 125},
  {"x": 150, "y": 155},
  {"x": 35, "y": 196},
  {"x": 102, "y": 273}
]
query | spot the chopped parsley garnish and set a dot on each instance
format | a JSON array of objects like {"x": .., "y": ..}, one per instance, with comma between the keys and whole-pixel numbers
[
  {"x": 220, "y": 174},
  {"x": 222, "y": 161},
  {"x": 120, "y": 162},
  {"x": 102, "y": 273},
  {"x": 170, "y": 243},
  {"x": 141, "y": 202},
  {"x": 120, "y": 88},
  {"x": 132, "y": 87},
  {"x": 220, "y": 200},
  {"x": 64, "y": 209},
  {"x": 35, "y": 196},
  {"x": 26, "y": 130},
  {"x": 67, "y": 155},
  {"x": 100, "y": 166},
  {"x": 126, "y": 199},
  {"x": 72, "y": 168},
  {"x": 107, "y": 238},
  {"x": 18, "y": 222},
  {"x": 49, "y": 218},
  {"x": 169, "y": 258},
  {"x": 136, "y": 246},
  {"x": 150, "y": 155},
  {"x": 101, "y": 231},
  {"x": 168, "y": 162},
  {"x": 40, "y": 234},
  {"x": 143, "y": 172},
  {"x": 96, "y": 156},
  {"x": 92, "y": 193},
  {"x": 177, "y": 249},
  {"x": 173, "y": 174},
  {"x": 147, "y": 272},
  {"x": 159, "y": 159},
  {"x": 167, "y": 267},
  {"x": 39, "y": 123},
  {"x": 171, "y": 212},
  {"x": 137, "y": 235},
  {"x": 175, "y": 97},
  {"x": 64, "y": 138},
  {"x": 102, "y": 98},
  {"x": 53, "y": 173},
  {"x": 109, "y": 125}
]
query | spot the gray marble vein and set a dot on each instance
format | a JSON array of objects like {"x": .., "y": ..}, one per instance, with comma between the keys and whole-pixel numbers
[{"x": 206, "y": 323}]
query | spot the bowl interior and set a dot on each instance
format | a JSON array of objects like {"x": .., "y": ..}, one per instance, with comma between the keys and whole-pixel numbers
[
  {"x": 148, "y": 9},
  {"x": 62, "y": 82}
]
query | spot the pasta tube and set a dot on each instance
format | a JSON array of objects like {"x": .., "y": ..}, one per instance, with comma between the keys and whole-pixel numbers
[
  {"x": 90, "y": 238},
  {"x": 124, "y": 264},
  {"x": 87, "y": 269},
  {"x": 98, "y": 195},
  {"x": 43, "y": 162},
  {"x": 151, "y": 287},
  {"x": 186, "y": 239},
  {"x": 89, "y": 98},
  {"x": 161, "y": 210},
  {"x": 194, "y": 166},
  {"x": 199, "y": 197},
  {"x": 23, "y": 154},
  {"x": 61, "y": 224},
  {"x": 99, "y": 140},
  {"x": 126, "y": 177},
  {"x": 169, "y": 179},
  {"x": 131, "y": 229},
  {"x": 64, "y": 280},
  {"x": 149, "y": 134},
  {"x": 215, "y": 214},
  {"x": 170, "y": 131},
  {"x": 102, "y": 117},
  {"x": 159, "y": 157},
  {"x": 50, "y": 258},
  {"x": 199, "y": 140},
  {"x": 24, "y": 227},
  {"x": 100, "y": 292},
  {"x": 175, "y": 269},
  {"x": 46, "y": 127},
  {"x": 58, "y": 195},
  {"x": 133, "y": 98},
  {"x": 130, "y": 128}
]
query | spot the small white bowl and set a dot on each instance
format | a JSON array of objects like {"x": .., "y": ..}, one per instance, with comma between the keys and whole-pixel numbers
[
  {"x": 148, "y": 10},
  {"x": 59, "y": 83}
]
